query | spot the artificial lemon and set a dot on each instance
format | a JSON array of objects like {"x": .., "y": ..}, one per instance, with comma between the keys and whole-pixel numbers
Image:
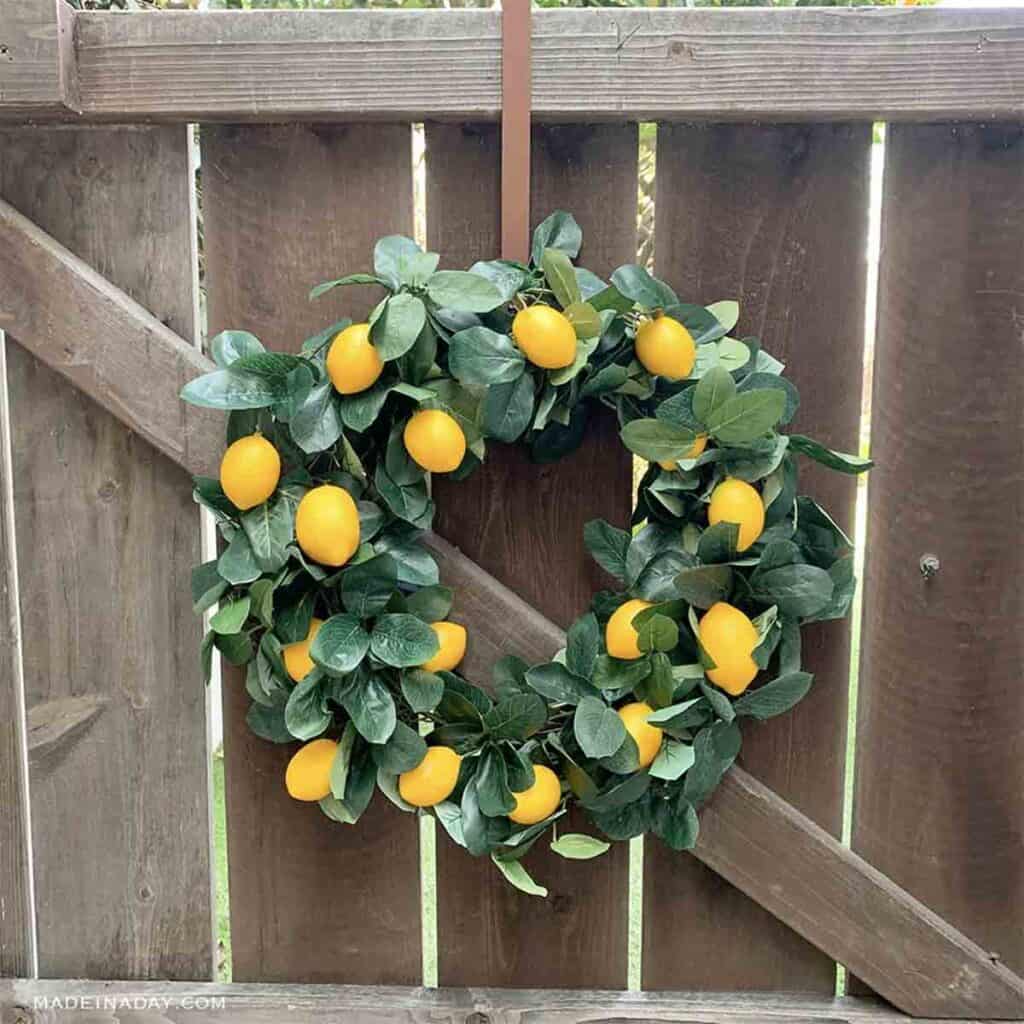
[
  {"x": 729, "y": 638},
  {"x": 353, "y": 364},
  {"x": 647, "y": 736},
  {"x": 620, "y": 635},
  {"x": 735, "y": 501},
  {"x": 249, "y": 471},
  {"x": 546, "y": 336},
  {"x": 691, "y": 453},
  {"x": 432, "y": 780},
  {"x": 665, "y": 348},
  {"x": 540, "y": 801},
  {"x": 452, "y": 639},
  {"x": 297, "y": 661},
  {"x": 308, "y": 775},
  {"x": 327, "y": 525},
  {"x": 435, "y": 441}
]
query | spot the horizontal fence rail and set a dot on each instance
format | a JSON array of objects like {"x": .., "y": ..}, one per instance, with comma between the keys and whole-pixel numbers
[{"x": 888, "y": 64}]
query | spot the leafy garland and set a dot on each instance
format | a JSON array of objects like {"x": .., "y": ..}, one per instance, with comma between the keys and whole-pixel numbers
[{"x": 446, "y": 343}]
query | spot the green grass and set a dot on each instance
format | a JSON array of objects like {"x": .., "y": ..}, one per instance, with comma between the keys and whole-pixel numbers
[{"x": 220, "y": 864}]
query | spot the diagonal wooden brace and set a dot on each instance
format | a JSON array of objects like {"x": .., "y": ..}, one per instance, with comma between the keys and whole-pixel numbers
[{"x": 104, "y": 342}]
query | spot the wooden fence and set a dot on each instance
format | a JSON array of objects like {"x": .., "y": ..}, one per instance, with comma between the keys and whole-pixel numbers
[{"x": 306, "y": 158}]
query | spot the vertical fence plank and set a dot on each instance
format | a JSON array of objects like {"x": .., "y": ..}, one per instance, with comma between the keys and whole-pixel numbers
[
  {"x": 285, "y": 208},
  {"x": 16, "y": 933},
  {"x": 775, "y": 217},
  {"x": 107, "y": 533},
  {"x": 524, "y": 523},
  {"x": 939, "y": 803}
]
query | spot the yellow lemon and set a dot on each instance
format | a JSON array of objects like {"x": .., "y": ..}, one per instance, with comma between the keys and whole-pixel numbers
[
  {"x": 691, "y": 453},
  {"x": 647, "y": 736},
  {"x": 308, "y": 775},
  {"x": 249, "y": 471},
  {"x": 452, "y": 638},
  {"x": 353, "y": 364},
  {"x": 729, "y": 637},
  {"x": 735, "y": 501},
  {"x": 432, "y": 780},
  {"x": 540, "y": 801},
  {"x": 665, "y": 348},
  {"x": 546, "y": 336},
  {"x": 327, "y": 525},
  {"x": 435, "y": 441},
  {"x": 619, "y": 635},
  {"x": 297, "y": 661}
]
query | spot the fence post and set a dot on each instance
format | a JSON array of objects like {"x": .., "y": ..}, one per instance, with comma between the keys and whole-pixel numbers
[{"x": 37, "y": 59}]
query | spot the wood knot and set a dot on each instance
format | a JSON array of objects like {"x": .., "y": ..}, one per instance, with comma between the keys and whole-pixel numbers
[{"x": 682, "y": 51}]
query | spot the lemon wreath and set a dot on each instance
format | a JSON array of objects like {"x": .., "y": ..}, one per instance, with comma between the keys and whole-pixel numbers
[{"x": 325, "y": 593}]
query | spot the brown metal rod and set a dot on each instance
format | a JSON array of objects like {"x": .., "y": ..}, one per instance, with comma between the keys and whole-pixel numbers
[{"x": 516, "y": 90}]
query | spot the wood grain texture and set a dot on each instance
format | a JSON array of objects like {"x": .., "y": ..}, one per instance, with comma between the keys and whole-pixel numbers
[
  {"x": 37, "y": 62},
  {"x": 322, "y": 1004},
  {"x": 107, "y": 534},
  {"x": 523, "y": 523},
  {"x": 775, "y": 217},
  {"x": 285, "y": 208},
  {"x": 17, "y": 927},
  {"x": 939, "y": 802},
  {"x": 588, "y": 65}
]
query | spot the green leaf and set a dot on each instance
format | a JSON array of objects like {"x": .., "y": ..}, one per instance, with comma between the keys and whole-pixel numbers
[
  {"x": 367, "y": 586},
  {"x": 714, "y": 389},
  {"x": 422, "y": 690},
  {"x": 673, "y": 760},
  {"x": 238, "y": 564},
  {"x": 508, "y": 277},
  {"x": 704, "y": 585},
  {"x": 463, "y": 291},
  {"x": 586, "y": 320},
  {"x": 399, "y": 325},
  {"x": 507, "y": 409},
  {"x": 798, "y": 590},
  {"x": 718, "y": 543},
  {"x": 340, "y": 645},
  {"x": 391, "y": 259},
  {"x": 431, "y": 604},
  {"x": 492, "y": 788},
  {"x": 657, "y": 580},
  {"x": 727, "y": 313},
  {"x": 509, "y": 675},
  {"x": 416, "y": 566},
  {"x": 208, "y": 586},
  {"x": 839, "y": 461},
  {"x": 516, "y": 875},
  {"x": 372, "y": 709},
  {"x": 402, "y": 752},
  {"x": 584, "y": 350},
  {"x": 324, "y": 287},
  {"x": 231, "y": 618},
  {"x": 583, "y": 645},
  {"x": 720, "y": 703},
  {"x": 747, "y": 415},
  {"x": 598, "y": 729},
  {"x": 657, "y": 440},
  {"x": 755, "y": 381},
  {"x": 403, "y": 641},
  {"x": 268, "y": 723},
  {"x": 480, "y": 356},
  {"x": 304, "y": 714},
  {"x": 557, "y": 231},
  {"x": 341, "y": 762},
  {"x": 667, "y": 716},
  {"x": 316, "y": 424},
  {"x": 775, "y": 697},
  {"x": 576, "y": 846},
  {"x": 230, "y": 346},
  {"x": 608, "y": 546},
  {"x": 557, "y": 683},
  {"x": 230, "y": 389},
  {"x": 615, "y": 674},
  {"x": 516, "y": 718},
  {"x": 275, "y": 366},
  {"x": 635, "y": 283},
  {"x": 676, "y": 824},
  {"x": 561, "y": 277},
  {"x": 270, "y": 528},
  {"x": 715, "y": 749},
  {"x": 658, "y": 633}
]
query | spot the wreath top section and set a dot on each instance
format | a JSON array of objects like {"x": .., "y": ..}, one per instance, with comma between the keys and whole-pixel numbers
[{"x": 336, "y": 609}]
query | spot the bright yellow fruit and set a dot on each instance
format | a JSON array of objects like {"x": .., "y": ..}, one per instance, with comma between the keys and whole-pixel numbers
[
  {"x": 648, "y": 737},
  {"x": 691, "y": 453},
  {"x": 729, "y": 637},
  {"x": 665, "y": 348},
  {"x": 353, "y": 364},
  {"x": 297, "y": 661},
  {"x": 327, "y": 525},
  {"x": 540, "y": 801},
  {"x": 308, "y": 776},
  {"x": 435, "y": 441},
  {"x": 735, "y": 501},
  {"x": 619, "y": 635},
  {"x": 546, "y": 336},
  {"x": 452, "y": 638},
  {"x": 432, "y": 780},
  {"x": 249, "y": 471}
]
